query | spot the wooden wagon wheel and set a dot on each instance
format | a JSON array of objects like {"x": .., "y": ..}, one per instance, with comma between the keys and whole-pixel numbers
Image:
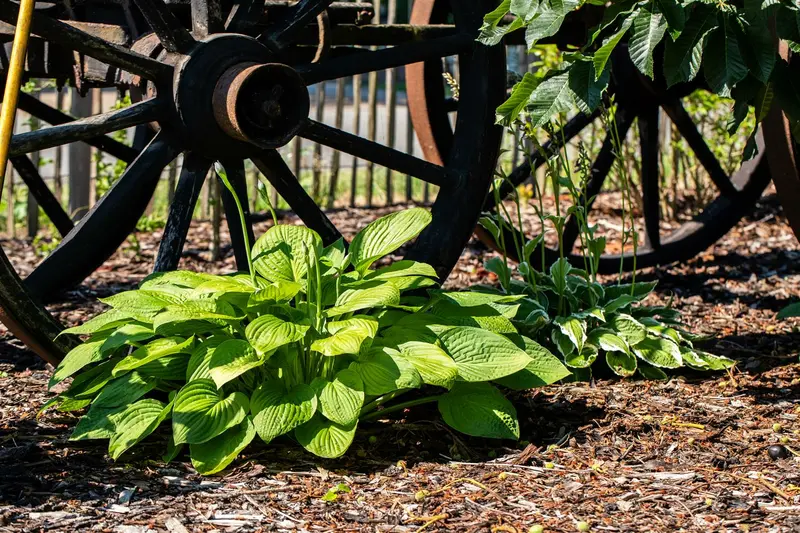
[
  {"x": 638, "y": 100},
  {"x": 233, "y": 88}
]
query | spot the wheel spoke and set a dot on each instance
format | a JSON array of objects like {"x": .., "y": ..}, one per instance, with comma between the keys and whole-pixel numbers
[
  {"x": 236, "y": 176},
  {"x": 107, "y": 224},
  {"x": 166, "y": 26},
  {"x": 601, "y": 167},
  {"x": 295, "y": 19},
  {"x": 193, "y": 174},
  {"x": 377, "y": 153},
  {"x": 386, "y": 58},
  {"x": 85, "y": 128},
  {"x": 92, "y": 46},
  {"x": 38, "y": 188},
  {"x": 687, "y": 128},
  {"x": 206, "y": 17},
  {"x": 42, "y": 111},
  {"x": 274, "y": 168},
  {"x": 244, "y": 16},
  {"x": 648, "y": 140}
]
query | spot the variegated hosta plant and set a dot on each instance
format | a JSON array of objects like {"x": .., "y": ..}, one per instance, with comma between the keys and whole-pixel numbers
[{"x": 311, "y": 341}]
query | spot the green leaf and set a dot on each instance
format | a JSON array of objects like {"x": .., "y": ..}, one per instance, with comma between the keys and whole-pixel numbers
[
  {"x": 551, "y": 97},
  {"x": 651, "y": 372},
  {"x": 791, "y": 310},
  {"x": 278, "y": 292},
  {"x": 124, "y": 390},
  {"x": 621, "y": 363},
  {"x": 347, "y": 337},
  {"x": 475, "y": 298},
  {"x": 587, "y": 89},
  {"x": 603, "y": 54},
  {"x": 480, "y": 410},
  {"x": 97, "y": 423},
  {"x": 674, "y": 13},
  {"x": 386, "y": 235},
  {"x": 215, "y": 455},
  {"x": 152, "y": 351},
  {"x": 179, "y": 278},
  {"x": 574, "y": 329},
  {"x": 550, "y": 17},
  {"x": 76, "y": 359},
  {"x": 136, "y": 422},
  {"x": 434, "y": 365},
  {"x": 367, "y": 296},
  {"x": 482, "y": 355},
  {"x": 233, "y": 358},
  {"x": 509, "y": 111},
  {"x": 524, "y": 9},
  {"x": 559, "y": 271},
  {"x": 283, "y": 252},
  {"x": 608, "y": 341},
  {"x": 582, "y": 359},
  {"x": 168, "y": 368},
  {"x": 325, "y": 438},
  {"x": 88, "y": 383},
  {"x": 277, "y": 411},
  {"x": 659, "y": 352},
  {"x": 267, "y": 333},
  {"x": 383, "y": 370},
  {"x": 543, "y": 369},
  {"x": 648, "y": 30},
  {"x": 400, "y": 269},
  {"x": 724, "y": 65},
  {"x": 201, "y": 412},
  {"x": 195, "y": 316},
  {"x": 714, "y": 362},
  {"x": 682, "y": 57},
  {"x": 759, "y": 51},
  {"x": 340, "y": 400},
  {"x": 139, "y": 304},
  {"x": 127, "y": 334},
  {"x": 198, "y": 366},
  {"x": 105, "y": 321},
  {"x": 628, "y": 328},
  {"x": 638, "y": 290}
]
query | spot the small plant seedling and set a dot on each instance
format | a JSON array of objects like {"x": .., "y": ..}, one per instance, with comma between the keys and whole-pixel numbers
[{"x": 333, "y": 492}]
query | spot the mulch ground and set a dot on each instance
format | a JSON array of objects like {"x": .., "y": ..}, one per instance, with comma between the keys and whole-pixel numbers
[{"x": 689, "y": 454}]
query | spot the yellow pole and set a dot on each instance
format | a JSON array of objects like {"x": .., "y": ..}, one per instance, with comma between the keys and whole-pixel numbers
[{"x": 13, "y": 81}]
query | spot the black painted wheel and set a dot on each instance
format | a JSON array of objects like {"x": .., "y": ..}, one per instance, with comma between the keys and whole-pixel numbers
[
  {"x": 230, "y": 86},
  {"x": 639, "y": 102}
]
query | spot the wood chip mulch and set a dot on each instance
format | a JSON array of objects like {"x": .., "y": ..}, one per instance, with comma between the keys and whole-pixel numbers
[{"x": 689, "y": 454}]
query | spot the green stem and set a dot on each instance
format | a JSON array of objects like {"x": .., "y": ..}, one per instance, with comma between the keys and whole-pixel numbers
[
  {"x": 399, "y": 407},
  {"x": 224, "y": 177}
]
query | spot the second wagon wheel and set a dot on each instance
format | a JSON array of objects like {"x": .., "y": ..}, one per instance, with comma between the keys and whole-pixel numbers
[
  {"x": 233, "y": 86},
  {"x": 640, "y": 103}
]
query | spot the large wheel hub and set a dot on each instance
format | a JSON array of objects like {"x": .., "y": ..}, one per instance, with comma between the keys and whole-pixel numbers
[{"x": 229, "y": 96}]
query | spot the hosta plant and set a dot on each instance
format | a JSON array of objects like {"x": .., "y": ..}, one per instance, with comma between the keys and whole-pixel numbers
[{"x": 309, "y": 343}]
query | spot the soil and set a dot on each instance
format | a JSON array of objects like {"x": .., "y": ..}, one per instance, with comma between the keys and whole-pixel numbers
[{"x": 688, "y": 454}]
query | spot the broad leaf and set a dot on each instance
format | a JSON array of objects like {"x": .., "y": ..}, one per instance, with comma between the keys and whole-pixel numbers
[
  {"x": 198, "y": 366},
  {"x": 195, "y": 316},
  {"x": 582, "y": 359},
  {"x": 386, "y": 235},
  {"x": 325, "y": 438},
  {"x": 233, "y": 358},
  {"x": 367, "y": 296},
  {"x": 110, "y": 319},
  {"x": 127, "y": 334},
  {"x": 97, "y": 423},
  {"x": 340, "y": 400},
  {"x": 603, "y": 54},
  {"x": 509, "y": 110},
  {"x": 215, "y": 455},
  {"x": 434, "y": 365},
  {"x": 647, "y": 31},
  {"x": 543, "y": 369},
  {"x": 277, "y": 292},
  {"x": 551, "y": 97},
  {"x": 282, "y": 253},
  {"x": 551, "y": 15},
  {"x": 587, "y": 88},
  {"x": 482, "y": 355},
  {"x": 628, "y": 328},
  {"x": 659, "y": 352},
  {"x": 480, "y": 410},
  {"x": 76, "y": 359},
  {"x": 574, "y": 329},
  {"x": 136, "y": 422},
  {"x": 152, "y": 351},
  {"x": 139, "y": 304},
  {"x": 608, "y": 341},
  {"x": 124, "y": 390},
  {"x": 400, "y": 269},
  {"x": 277, "y": 411},
  {"x": 347, "y": 336},
  {"x": 724, "y": 65},
  {"x": 682, "y": 58},
  {"x": 201, "y": 412},
  {"x": 268, "y": 333},
  {"x": 383, "y": 370},
  {"x": 621, "y": 363}
]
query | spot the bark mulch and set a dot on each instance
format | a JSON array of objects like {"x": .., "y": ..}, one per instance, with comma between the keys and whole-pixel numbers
[{"x": 689, "y": 454}]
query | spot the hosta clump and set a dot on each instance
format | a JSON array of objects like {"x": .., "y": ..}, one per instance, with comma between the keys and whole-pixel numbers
[
  {"x": 583, "y": 321},
  {"x": 309, "y": 343}
]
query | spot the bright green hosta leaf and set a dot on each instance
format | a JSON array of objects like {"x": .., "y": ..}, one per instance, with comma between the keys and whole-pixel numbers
[
  {"x": 367, "y": 296},
  {"x": 383, "y": 370},
  {"x": 325, "y": 438},
  {"x": 651, "y": 372},
  {"x": 267, "y": 333},
  {"x": 582, "y": 359},
  {"x": 139, "y": 304},
  {"x": 76, "y": 359},
  {"x": 401, "y": 269},
  {"x": 277, "y": 411},
  {"x": 215, "y": 455},
  {"x": 340, "y": 400},
  {"x": 410, "y": 283},
  {"x": 648, "y": 30},
  {"x": 282, "y": 253},
  {"x": 169, "y": 368},
  {"x": 480, "y": 410},
  {"x": 112, "y": 318},
  {"x": 608, "y": 341},
  {"x": 659, "y": 352},
  {"x": 127, "y": 334},
  {"x": 233, "y": 358},
  {"x": 179, "y": 278},
  {"x": 347, "y": 336},
  {"x": 488, "y": 317},
  {"x": 482, "y": 355},
  {"x": 509, "y": 110},
  {"x": 277, "y": 292},
  {"x": 434, "y": 365},
  {"x": 723, "y": 64},
  {"x": 88, "y": 383},
  {"x": 476, "y": 299},
  {"x": 335, "y": 255},
  {"x": 136, "y": 422},
  {"x": 386, "y": 235},
  {"x": 201, "y": 412},
  {"x": 705, "y": 361},
  {"x": 543, "y": 369},
  {"x": 621, "y": 363},
  {"x": 152, "y": 351},
  {"x": 97, "y": 423},
  {"x": 639, "y": 290},
  {"x": 195, "y": 316},
  {"x": 574, "y": 329},
  {"x": 198, "y": 367},
  {"x": 683, "y": 57},
  {"x": 628, "y": 328},
  {"x": 124, "y": 390}
]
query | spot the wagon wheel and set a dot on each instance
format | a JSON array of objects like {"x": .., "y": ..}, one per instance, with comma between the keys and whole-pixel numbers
[
  {"x": 638, "y": 101},
  {"x": 217, "y": 93}
]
